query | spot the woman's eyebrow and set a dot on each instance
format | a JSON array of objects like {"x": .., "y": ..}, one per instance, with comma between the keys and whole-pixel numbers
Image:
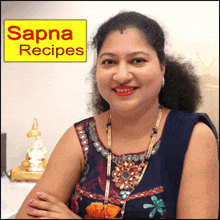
[
  {"x": 107, "y": 54},
  {"x": 137, "y": 52},
  {"x": 133, "y": 53}
]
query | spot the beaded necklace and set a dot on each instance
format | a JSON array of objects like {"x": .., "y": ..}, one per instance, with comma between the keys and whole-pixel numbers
[{"x": 140, "y": 169}]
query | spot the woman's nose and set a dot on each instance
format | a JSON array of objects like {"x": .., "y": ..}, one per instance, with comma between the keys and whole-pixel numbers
[{"x": 122, "y": 73}]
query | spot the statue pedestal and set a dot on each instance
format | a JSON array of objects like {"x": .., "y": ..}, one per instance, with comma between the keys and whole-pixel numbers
[{"x": 19, "y": 174}]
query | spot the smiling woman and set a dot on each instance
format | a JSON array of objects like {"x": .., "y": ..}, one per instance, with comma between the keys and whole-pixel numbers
[
  {"x": 136, "y": 68},
  {"x": 146, "y": 154}
]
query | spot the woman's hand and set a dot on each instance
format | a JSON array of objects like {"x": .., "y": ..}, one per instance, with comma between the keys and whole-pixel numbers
[{"x": 50, "y": 207}]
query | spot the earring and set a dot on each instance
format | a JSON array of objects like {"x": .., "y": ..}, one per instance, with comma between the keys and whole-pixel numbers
[{"x": 163, "y": 82}]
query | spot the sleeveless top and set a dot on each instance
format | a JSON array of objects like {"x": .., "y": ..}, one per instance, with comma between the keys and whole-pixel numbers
[{"x": 155, "y": 197}]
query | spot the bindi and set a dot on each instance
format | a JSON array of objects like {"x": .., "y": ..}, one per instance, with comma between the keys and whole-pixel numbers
[{"x": 122, "y": 30}]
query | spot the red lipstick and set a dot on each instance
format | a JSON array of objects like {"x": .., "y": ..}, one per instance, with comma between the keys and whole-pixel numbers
[{"x": 124, "y": 90}]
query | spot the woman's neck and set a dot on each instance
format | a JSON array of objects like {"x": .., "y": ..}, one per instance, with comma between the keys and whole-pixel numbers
[{"x": 134, "y": 126}]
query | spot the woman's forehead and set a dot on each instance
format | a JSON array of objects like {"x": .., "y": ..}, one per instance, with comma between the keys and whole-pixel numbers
[{"x": 125, "y": 37}]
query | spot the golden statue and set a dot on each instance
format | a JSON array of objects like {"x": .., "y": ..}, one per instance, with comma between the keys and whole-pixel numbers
[{"x": 35, "y": 161}]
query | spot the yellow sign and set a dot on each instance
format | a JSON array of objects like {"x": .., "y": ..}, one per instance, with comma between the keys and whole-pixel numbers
[{"x": 45, "y": 41}]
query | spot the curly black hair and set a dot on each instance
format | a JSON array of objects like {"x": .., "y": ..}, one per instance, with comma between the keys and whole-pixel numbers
[{"x": 181, "y": 90}]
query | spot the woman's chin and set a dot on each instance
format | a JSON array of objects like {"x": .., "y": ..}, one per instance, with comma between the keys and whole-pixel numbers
[
  {"x": 132, "y": 108},
  {"x": 125, "y": 110}
]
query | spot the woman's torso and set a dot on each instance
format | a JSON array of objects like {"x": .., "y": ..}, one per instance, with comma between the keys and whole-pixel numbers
[
  {"x": 157, "y": 193},
  {"x": 146, "y": 201}
]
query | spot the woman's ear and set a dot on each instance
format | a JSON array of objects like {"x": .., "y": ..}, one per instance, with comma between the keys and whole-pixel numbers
[{"x": 163, "y": 68}]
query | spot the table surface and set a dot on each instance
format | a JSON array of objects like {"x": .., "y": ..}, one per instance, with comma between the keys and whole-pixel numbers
[{"x": 12, "y": 196}]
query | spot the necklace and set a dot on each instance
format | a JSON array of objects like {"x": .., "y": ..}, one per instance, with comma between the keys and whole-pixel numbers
[{"x": 131, "y": 173}]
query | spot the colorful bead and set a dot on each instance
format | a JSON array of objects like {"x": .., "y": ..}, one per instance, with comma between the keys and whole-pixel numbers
[
  {"x": 126, "y": 163},
  {"x": 135, "y": 158},
  {"x": 117, "y": 184},
  {"x": 86, "y": 147},
  {"x": 97, "y": 144},
  {"x": 123, "y": 158},
  {"x": 91, "y": 128},
  {"x": 94, "y": 138},
  {"x": 79, "y": 127},
  {"x": 126, "y": 186},
  {"x": 120, "y": 164},
  {"x": 131, "y": 164},
  {"x": 85, "y": 142},
  {"x": 114, "y": 173},
  {"x": 141, "y": 156},
  {"x": 99, "y": 149},
  {"x": 92, "y": 123},
  {"x": 104, "y": 152},
  {"x": 83, "y": 136},
  {"x": 126, "y": 175},
  {"x": 115, "y": 160},
  {"x": 93, "y": 134},
  {"x": 135, "y": 182},
  {"x": 117, "y": 168},
  {"x": 129, "y": 157}
]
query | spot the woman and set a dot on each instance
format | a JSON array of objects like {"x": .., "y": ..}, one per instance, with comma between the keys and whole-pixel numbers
[{"x": 145, "y": 155}]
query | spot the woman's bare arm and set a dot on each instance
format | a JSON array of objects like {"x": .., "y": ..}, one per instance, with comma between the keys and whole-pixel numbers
[
  {"x": 61, "y": 174},
  {"x": 199, "y": 189}
]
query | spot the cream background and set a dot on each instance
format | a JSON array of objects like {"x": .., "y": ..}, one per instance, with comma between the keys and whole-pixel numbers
[{"x": 57, "y": 93}]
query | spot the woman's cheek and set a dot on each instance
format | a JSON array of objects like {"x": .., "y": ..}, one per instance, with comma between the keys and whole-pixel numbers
[
  {"x": 102, "y": 86},
  {"x": 103, "y": 79}
]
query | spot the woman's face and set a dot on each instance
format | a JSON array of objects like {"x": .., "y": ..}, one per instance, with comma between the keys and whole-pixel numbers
[{"x": 129, "y": 74}]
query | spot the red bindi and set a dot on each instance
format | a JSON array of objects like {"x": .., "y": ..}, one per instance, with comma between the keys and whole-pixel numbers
[{"x": 121, "y": 31}]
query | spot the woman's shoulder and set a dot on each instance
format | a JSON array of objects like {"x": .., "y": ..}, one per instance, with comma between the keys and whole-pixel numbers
[
  {"x": 186, "y": 118},
  {"x": 200, "y": 166},
  {"x": 83, "y": 121},
  {"x": 182, "y": 126},
  {"x": 95, "y": 120}
]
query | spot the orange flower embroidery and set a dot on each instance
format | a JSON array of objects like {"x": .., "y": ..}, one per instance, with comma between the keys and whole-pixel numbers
[{"x": 96, "y": 211}]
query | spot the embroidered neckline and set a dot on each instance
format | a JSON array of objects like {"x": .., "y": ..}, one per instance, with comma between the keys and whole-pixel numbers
[{"x": 101, "y": 148}]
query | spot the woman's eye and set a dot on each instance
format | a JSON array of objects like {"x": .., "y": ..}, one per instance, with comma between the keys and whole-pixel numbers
[
  {"x": 108, "y": 62},
  {"x": 138, "y": 61}
]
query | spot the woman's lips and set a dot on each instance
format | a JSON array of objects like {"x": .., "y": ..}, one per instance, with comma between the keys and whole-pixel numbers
[{"x": 124, "y": 90}]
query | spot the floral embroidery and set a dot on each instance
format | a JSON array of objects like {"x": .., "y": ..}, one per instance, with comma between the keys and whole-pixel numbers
[
  {"x": 158, "y": 206},
  {"x": 151, "y": 192},
  {"x": 96, "y": 211},
  {"x": 126, "y": 175}
]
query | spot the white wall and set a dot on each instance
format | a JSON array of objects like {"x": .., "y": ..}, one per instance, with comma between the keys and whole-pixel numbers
[{"x": 57, "y": 93}]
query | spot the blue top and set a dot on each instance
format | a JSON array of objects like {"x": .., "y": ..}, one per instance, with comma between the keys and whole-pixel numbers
[{"x": 155, "y": 197}]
